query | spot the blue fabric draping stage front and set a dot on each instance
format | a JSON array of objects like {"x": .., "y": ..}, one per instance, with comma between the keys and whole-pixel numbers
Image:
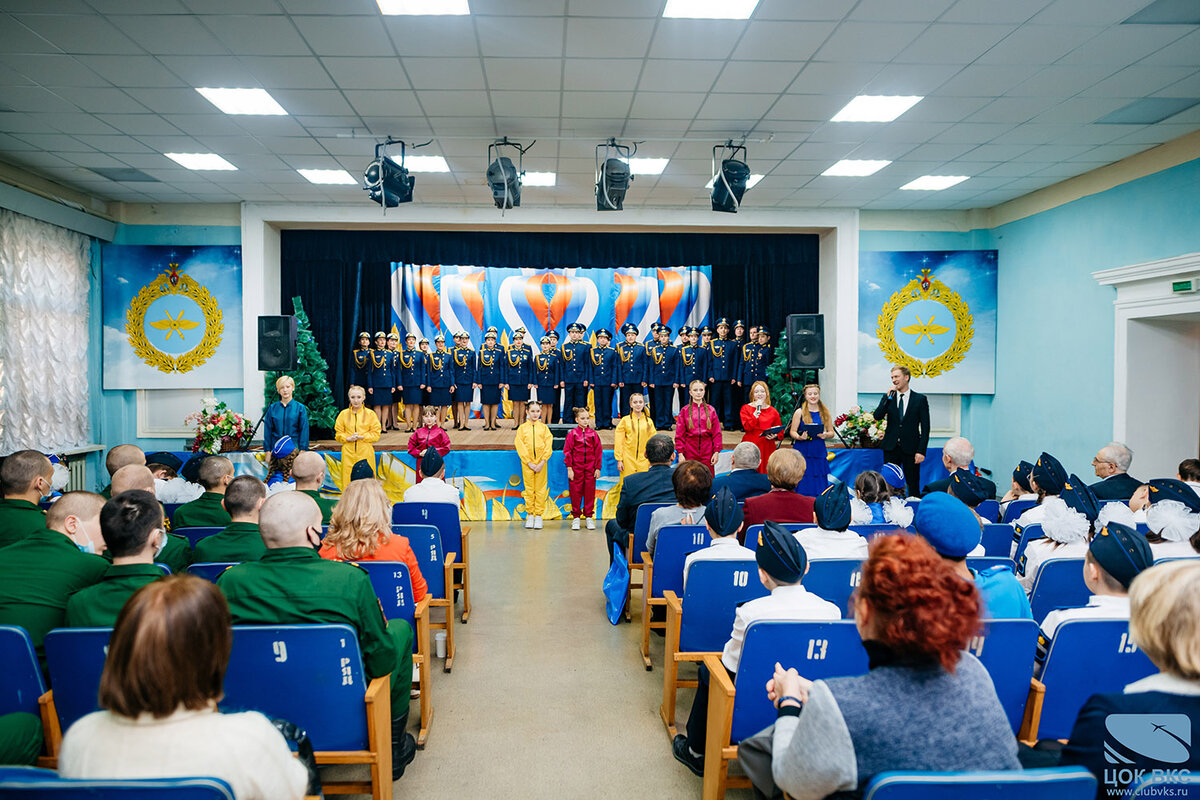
[{"x": 848, "y": 464}]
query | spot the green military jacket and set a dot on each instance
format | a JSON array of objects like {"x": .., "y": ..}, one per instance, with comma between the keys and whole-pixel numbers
[
  {"x": 240, "y": 541},
  {"x": 325, "y": 503},
  {"x": 176, "y": 554},
  {"x": 98, "y": 605},
  {"x": 203, "y": 512},
  {"x": 17, "y": 518},
  {"x": 295, "y": 586},
  {"x": 37, "y": 575}
]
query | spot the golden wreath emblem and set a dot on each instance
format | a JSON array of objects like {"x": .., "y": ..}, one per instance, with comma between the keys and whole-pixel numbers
[
  {"x": 169, "y": 283},
  {"x": 926, "y": 287}
]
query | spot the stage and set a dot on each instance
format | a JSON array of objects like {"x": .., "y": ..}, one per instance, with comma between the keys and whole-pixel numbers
[{"x": 478, "y": 439}]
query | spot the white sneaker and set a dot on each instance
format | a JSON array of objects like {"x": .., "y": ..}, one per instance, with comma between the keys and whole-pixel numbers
[
  {"x": 537, "y": 523},
  {"x": 575, "y": 523},
  {"x": 529, "y": 521},
  {"x": 591, "y": 523}
]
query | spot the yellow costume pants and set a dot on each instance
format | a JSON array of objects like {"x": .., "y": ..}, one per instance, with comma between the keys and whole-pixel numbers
[{"x": 536, "y": 491}]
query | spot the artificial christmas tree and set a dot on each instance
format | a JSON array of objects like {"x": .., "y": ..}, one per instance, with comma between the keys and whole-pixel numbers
[
  {"x": 786, "y": 385},
  {"x": 312, "y": 385}
]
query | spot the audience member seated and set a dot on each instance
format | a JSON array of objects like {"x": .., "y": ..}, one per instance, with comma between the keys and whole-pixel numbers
[
  {"x": 744, "y": 479},
  {"x": 957, "y": 455},
  {"x": 652, "y": 486},
  {"x": 782, "y": 563},
  {"x": 160, "y": 687},
  {"x": 163, "y": 466},
  {"x": 723, "y": 518},
  {"x": 831, "y": 539},
  {"x": 1021, "y": 488},
  {"x": 169, "y": 485},
  {"x": 1189, "y": 473},
  {"x": 214, "y": 473},
  {"x": 39, "y": 573},
  {"x": 969, "y": 487},
  {"x": 241, "y": 540},
  {"x": 25, "y": 478},
  {"x": 1164, "y": 622},
  {"x": 21, "y": 739},
  {"x": 916, "y": 618},
  {"x": 1068, "y": 525},
  {"x": 308, "y": 470},
  {"x": 1115, "y": 557},
  {"x": 1173, "y": 518},
  {"x": 879, "y": 498},
  {"x": 361, "y": 530},
  {"x": 953, "y": 531},
  {"x": 1112, "y": 466},
  {"x": 785, "y": 469},
  {"x": 176, "y": 553},
  {"x": 282, "y": 458},
  {"x": 692, "y": 482},
  {"x": 1046, "y": 479},
  {"x": 132, "y": 526},
  {"x": 121, "y": 456},
  {"x": 292, "y": 585},
  {"x": 432, "y": 487}
]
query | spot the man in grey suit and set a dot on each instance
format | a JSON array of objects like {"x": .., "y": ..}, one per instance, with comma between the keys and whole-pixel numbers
[{"x": 652, "y": 486}]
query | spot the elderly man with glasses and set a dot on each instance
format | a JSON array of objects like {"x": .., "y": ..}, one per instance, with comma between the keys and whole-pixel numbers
[{"x": 1111, "y": 465}]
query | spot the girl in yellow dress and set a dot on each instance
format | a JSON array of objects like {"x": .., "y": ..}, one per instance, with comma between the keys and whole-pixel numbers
[{"x": 357, "y": 428}]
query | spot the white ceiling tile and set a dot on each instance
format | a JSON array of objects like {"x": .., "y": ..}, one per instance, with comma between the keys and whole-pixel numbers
[
  {"x": 72, "y": 123},
  {"x": 1188, "y": 87},
  {"x": 953, "y": 44},
  {"x": 335, "y": 36},
  {"x": 667, "y": 105},
  {"x": 696, "y": 38},
  {"x": 869, "y": 42},
  {"x": 972, "y": 132},
  {"x": 989, "y": 11},
  {"x": 743, "y": 107},
  {"x": 526, "y": 104},
  {"x": 1049, "y": 153},
  {"x": 1124, "y": 43},
  {"x": 79, "y": 33},
  {"x": 50, "y": 70},
  {"x": 808, "y": 107},
  {"x": 593, "y": 74},
  {"x": 899, "y": 10},
  {"x": 94, "y": 99},
  {"x": 1038, "y": 44},
  {"x": 444, "y": 36},
  {"x": 444, "y": 73},
  {"x": 526, "y": 127},
  {"x": 1081, "y": 109},
  {"x": 782, "y": 41},
  {"x": 169, "y": 34},
  {"x": 172, "y": 101},
  {"x": 986, "y": 80},
  {"x": 661, "y": 75},
  {"x": 1059, "y": 80},
  {"x": 907, "y": 132},
  {"x": 1031, "y": 133},
  {"x": 524, "y": 74},
  {"x": 210, "y": 70},
  {"x": 520, "y": 37},
  {"x": 1182, "y": 52},
  {"x": 803, "y": 9},
  {"x": 1012, "y": 110},
  {"x": 383, "y": 103},
  {"x": 284, "y": 72},
  {"x": 1108, "y": 153},
  {"x": 125, "y": 146},
  {"x": 34, "y": 98},
  {"x": 835, "y": 78},
  {"x": 910, "y": 79},
  {"x": 366, "y": 73},
  {"x": 454, "y": 104},
  {"x": 945, "y": 109},
  {"x": 295, "y": 146},
  {"x": 132, "y": 71},
  {"x": 204, "y": 124},
  {"x": 588, "y": 105},
  {"x": 757, "y": 76},
  {"x": 309, "y": 102},
  {"x": 1141, "y": 81},
  {"x": 140, "y": 124},
  {"x": 1109, "y": 12},
  {"x": 257, "y": 35},
  {"x": 608, "y": 38}
]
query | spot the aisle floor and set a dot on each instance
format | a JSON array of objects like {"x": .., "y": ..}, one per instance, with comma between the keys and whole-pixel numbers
[{"x": 547, "y": 699}]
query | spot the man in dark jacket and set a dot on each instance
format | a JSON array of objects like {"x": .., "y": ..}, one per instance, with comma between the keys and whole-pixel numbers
[
  {"x": 957, "y": 454},
  {"x": 1112, "y": 465},
  {"x": 907, "y": 435},
  {"x": 744, "y": 480},
  {"x": 652, "y": 486}
]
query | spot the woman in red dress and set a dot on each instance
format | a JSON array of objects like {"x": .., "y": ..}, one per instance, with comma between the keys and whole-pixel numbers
[{"x": 758, "y": 416}]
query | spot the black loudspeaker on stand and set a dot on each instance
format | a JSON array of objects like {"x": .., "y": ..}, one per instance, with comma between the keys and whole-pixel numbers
[
  {"x": 806, "y": 341},
  {"x": 276, "y": 343}
]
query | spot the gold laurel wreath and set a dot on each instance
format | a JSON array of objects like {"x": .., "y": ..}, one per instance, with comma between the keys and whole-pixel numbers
[
  {"x": 135, "y": 319},
  {"x": 885, "y": 328}
]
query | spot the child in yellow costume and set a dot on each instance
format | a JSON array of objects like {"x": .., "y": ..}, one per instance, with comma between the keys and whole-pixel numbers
[
  {"x": 534, "y": 445},
  {"x": 629, "y": 445},
  {"x": 357, "y": 428}
]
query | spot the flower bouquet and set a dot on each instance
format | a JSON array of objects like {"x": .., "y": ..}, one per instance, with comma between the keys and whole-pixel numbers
[
  {"x": 859, "y": 428},
  {"x": 218, "y": 430}
]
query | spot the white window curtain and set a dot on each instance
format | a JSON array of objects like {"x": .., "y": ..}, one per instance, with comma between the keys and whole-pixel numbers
[{"x": 44, "y": 277}]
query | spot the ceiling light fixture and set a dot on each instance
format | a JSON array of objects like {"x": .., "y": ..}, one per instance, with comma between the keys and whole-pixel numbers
[
  {"x": 502, "y": 176},
  {"x": 647, "y": 166},
  {"x": 876, "y": 108},
  {"x": 201, "y": 161},
  {"x": 730, "y": 179},
  {"x": 750, "y": 184},
  {"x": 243, "y": 101},
  {"x": 426, "y": 163},
  {"x": 539, "y": 179},
  {"x": 328, "y": 176},
  {"x": 424, "y": 7},
  {"x": 387, "y": 181},
  {"x": 710, "y": 9},
  {"x": 934, "y": 183},
  {"x": 851, "y": 168},
  {"x": 613, "y": 174}
]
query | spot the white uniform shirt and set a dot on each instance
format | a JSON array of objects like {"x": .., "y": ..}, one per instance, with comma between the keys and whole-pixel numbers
[
  {"x": 793, "y": 602},
  {"x": 1034, "y": 516},
  {"x": 1041, "y": 550},
  {"x": 819, "y": 543},
  {"x": 723, "y": 548},
  {"x": 1100, "y": 606},
  {"x": 432, "y": 490},
  {"x": 1163, "y": 550}
]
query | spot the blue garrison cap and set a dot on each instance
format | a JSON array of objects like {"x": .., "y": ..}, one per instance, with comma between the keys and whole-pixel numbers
[
  {"x": 966, "y": 486},
  {"x": 284, "y": 447},
  {"x": 361, "y": 469},
  {"x": 832, "y": 507},
  {"x": 431, "y": 462},
  {"x": 779, "y": 553},
  {"x": 1079, "y": 496},
  {"x": 1121, "y": 551},
  {"x": 723, "y": 514},
  {"x": 1020, "y": 475},
  {"x": 893, "y": 474},
  {"x": 1049, "y": 474},
  {"x": 947, "y": 524},
  {"x": 1172, "y": 489}
]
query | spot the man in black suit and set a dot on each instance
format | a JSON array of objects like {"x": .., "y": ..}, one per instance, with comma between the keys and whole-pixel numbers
[
  {"x": 907, "y": 435},
  {"x": 1112, "y": 464},
  {"x": 744, "y": 480},
  {"x": 652, "y": 486},
  {"x": 958, "y": 454}
]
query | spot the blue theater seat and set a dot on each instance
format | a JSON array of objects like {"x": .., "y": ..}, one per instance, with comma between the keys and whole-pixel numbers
[
  {"x": 437, "y": 568},
  {"x": 1006, "y": 648},
  {"x": 455, "y": 539},
  {"x": 1058, "y": 783},
  {"x": 664, "y": 571},
  {"x": 210, "y": 570},
  {"x": 1058, "y": 584},
  {"x": 637, "y": 545},
  {"x": 194, "y": 535},
  {"x": 26, "y": 783}
]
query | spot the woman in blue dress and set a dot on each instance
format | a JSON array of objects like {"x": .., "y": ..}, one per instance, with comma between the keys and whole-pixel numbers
[
  {"x": 360, "y": 361},
  {"x": 441, "y": 378},
  {"x": 546, "y": 377},
  {"x": 413, "y": 378},
  {"x": 810, "y": 442},
  {"x": 489, "y": 376},
  {"x": 518, "y": 375}
]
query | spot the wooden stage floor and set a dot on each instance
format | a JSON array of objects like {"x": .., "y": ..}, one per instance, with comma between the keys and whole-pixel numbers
[{"x": 478, "y": 439}]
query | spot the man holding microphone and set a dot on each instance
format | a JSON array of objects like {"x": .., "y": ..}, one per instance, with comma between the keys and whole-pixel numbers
[{"x": 907, "y": 434}]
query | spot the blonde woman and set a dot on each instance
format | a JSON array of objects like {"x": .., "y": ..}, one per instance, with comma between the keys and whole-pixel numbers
[
  {"x": 285, "y": 417},
  {"x": 361, "y": 530},
  {"x": 811, "y": 442},
  {"x": 356, "y": 428},
  {"x": 629, "y": 443}
]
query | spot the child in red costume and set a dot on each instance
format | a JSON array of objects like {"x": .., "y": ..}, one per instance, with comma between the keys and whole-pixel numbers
[
  {"x": 697, "y": 429},
  {"x": 430, "y": 434},
  {"x": 582, "y": 453}
]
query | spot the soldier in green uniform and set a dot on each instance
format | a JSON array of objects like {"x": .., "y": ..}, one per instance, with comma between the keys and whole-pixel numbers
[
  {"x": 20, "y": 738},
  {"x": 308, "y": 471},
  {"x": 39, "y": 573},
  {"x": 176, "y": 553},
  {"x": 120, "y": 456},
  {"x": 132, "y": 526},
  {"x": 24, "y": 481},
  {"x": 206, "y": 510},
  {"x": 292, "y": 585},
  {"x": 240, "y": 541}
]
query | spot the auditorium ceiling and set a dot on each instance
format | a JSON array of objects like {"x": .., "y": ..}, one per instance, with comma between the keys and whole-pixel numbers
[{"x": 1018, "y": 94}]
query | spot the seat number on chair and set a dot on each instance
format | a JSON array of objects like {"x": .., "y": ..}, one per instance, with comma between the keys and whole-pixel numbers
[
  {"x": 741, "y": 577},
  {"x": 698, "y": 538},
  {"x": 347, "y": 673},
  {"x": 1127, "y": 645},
  {"x": 855, "y": 577},
  {"x": 817, "y": 648},
  {"x": 424, "y": 513},
  {"x": 975, "y": 646},
  {"x": 433, "y": 553},
  {"x": 280, "y": 649}
]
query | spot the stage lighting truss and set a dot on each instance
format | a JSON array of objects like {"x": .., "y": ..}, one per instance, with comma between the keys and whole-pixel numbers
[
  {"x": 386, "y": 180},
  {"x": 730, "y": 178},
  {"x": 612, "y": 174},
  {"x": 503, "y": 177}
]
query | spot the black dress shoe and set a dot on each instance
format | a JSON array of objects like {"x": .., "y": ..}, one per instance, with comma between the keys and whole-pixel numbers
[
  {"x": 403, "y": 753},
  {"x": 679, "y": 748}
]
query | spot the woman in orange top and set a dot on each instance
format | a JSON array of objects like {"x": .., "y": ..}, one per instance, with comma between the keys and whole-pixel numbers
[
  {"x": 757, "y": 417},
  {"x": 361, "y": 530}
]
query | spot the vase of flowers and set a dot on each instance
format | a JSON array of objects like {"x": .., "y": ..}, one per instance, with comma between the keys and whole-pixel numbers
[
  {"x": 218, "y": 429},
  {"x": 859, "y": 428}
]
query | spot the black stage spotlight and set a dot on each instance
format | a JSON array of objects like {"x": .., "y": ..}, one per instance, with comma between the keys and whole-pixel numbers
[
  {"x": 612, "y": 175},
  {"x": 504, "y": 178},
  {"x": 388, "y": 182},
  {"x": 729, "y": 182}
]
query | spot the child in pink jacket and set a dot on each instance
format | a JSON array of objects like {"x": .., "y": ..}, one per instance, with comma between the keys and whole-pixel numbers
[
  {"x": 430, "y": 434},
  {"x": 697, "y": 429},
  {"x": 582, "y": 453}
]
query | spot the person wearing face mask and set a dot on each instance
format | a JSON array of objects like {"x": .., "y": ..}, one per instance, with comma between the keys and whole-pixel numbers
[
  {"x": 132, "y": 526},
  {"x": 25, "y": 478},
  {"x": 176, "y": 552},
  {"x": 39, "y": 573}
]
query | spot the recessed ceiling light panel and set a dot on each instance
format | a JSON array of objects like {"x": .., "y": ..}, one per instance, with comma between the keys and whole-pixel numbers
[
  {"x": 539, "y": 179},
  {"x": 934, "y": 183},
  {"x": 328, "y": 176},
  {"x": 710, "y": 9},
  {"x": 201, "y": 161},
  {"x": 648, "y": 166},
  {"x": 876, "y": 108},
  {"x": 851, "y": 168},
  {"x": 243, "y": 101},
  {"x": 424, "y": 7},
  {"x": 426, "y": 164}
]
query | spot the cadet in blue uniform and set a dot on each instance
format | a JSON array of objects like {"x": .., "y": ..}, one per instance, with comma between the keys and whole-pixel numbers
[
  {"x": 547, "y": 369},
  {"x": 412, "y": 380},
  {"x": 663, "y": 366},
  {"x": 556, "y": 402},
  {"x": 441, "y": 377},
  {"x": 518, "y": 375},
  {"x": 392, "y": 423},
  {"x": 489, "y": 376},
  {"x": 603, "y": 378},
  {"x": 693, "y": 364},
  {"x": 464, "y": 379},
  {"x": 379, "y": 377},
  {"x": 360, "y": 361},
  {"x": 632, "y": 371},
  {"x": 424, "y": 348},
  {"x": 736, "y": 393},
  {"x": 755, "y": 358},
  {"x": 722, "y": 359},
  {"x": 575, "y": 367}
]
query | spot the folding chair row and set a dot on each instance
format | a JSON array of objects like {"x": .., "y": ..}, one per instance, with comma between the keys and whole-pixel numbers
[
  {"x": 455, "y": 539},
  {"x": 664, "y": 571},
  {"x": 1056, "y": 783},
  {"x": 30, "y": 782},
  {"x": 635, "y": 548}
]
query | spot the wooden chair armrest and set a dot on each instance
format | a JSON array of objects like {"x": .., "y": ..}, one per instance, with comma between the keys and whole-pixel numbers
[
  {"x": 674, "y": 604},
  {"x": 1033, "y": 712},
  {"x": 697, "y": 656},
  {"x": 647, "y": 557},
  {"x": 51, "y": 730},
  {"x": 378, "y": 701},
  {"x": 422, "y": 608},
  {"x": 379, "y": 689},
  {"x": 719, "y": 725},
  {"x": 451, "y": 557}
]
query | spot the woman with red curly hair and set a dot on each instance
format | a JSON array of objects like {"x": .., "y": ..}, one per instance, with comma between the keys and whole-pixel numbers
[{"x": 925, "y": 704}]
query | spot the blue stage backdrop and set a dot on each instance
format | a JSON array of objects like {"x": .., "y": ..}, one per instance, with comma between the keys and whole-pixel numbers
[{"x": 432, "y": 299}]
